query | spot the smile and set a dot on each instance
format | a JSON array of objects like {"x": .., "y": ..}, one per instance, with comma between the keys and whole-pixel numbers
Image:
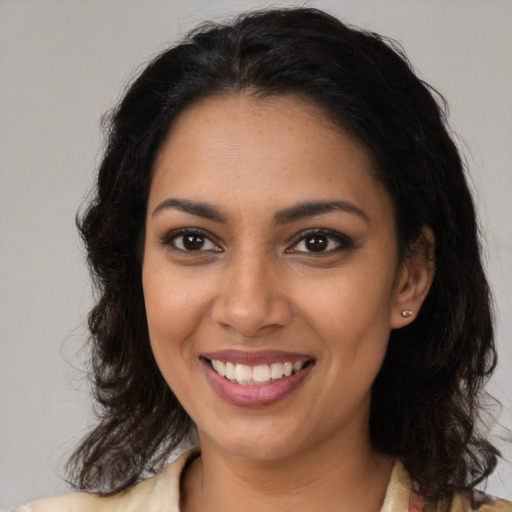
[
  {"x": 259, "y": 375},
  {"x": 246, "y": 379}
]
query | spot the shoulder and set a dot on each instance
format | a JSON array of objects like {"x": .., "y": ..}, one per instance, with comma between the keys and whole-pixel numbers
[
  {"x": 400, "y": 497},
  {"x": 147, "y": 496},
  {"x": 474, "y": 501},
  {"x": 478, "y": 502}
]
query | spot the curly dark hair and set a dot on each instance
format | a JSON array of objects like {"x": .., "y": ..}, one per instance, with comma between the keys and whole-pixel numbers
[{"x": 426, "y": 398}]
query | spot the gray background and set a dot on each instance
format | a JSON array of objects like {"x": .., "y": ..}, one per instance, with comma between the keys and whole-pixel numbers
[{"x": 63, "y": 64}]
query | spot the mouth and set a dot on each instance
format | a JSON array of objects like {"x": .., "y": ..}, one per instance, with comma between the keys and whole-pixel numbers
[
  {"x": 257, "y": 375},
  {"x": 259, "y": 379}
]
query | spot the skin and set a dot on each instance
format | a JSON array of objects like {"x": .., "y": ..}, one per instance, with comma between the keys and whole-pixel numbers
[{"x": 255, "y": 284}]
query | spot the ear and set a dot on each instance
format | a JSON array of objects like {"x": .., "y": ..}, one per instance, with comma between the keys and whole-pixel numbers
[{"x": 414, "y": 279}]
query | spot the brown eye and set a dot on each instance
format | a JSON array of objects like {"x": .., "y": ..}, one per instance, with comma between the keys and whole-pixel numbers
[
  {"x": 187, "y": 240},
  {"x": 321, "y": 242},
  {"x": 193, "y": 242},
  {"x": 316, "y": 243}
]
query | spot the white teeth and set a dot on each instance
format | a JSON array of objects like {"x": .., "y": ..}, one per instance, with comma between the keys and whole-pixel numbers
[
  {"x": 230, "y": 371},
  {"x": 276, "y": 370},
  {"x": 261, "y": 373},
  {"x": 297, "y": 366},
  {"x": 256, "y": 375},
  {"x": 219, "y": 367},
  {"x": 243, "y": 373}
]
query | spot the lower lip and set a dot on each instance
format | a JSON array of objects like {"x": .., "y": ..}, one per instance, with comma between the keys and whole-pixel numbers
[{"x": 254, "y": 396}]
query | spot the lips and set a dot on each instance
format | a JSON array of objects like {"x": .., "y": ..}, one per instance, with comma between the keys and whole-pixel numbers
[{"x": 255, "y": 379}]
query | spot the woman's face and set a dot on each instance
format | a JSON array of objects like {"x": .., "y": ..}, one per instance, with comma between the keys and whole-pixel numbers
[{"x": 270, "y": 248}]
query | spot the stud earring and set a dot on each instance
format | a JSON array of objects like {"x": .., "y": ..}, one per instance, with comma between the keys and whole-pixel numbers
[{"x": 407, "y": 313}]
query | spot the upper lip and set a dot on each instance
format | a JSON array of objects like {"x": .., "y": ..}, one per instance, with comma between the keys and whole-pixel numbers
[{"x": 253, "y": 358}]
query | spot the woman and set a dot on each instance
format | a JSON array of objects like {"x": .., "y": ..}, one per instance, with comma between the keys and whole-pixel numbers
[{"x": 287, "y": 262}]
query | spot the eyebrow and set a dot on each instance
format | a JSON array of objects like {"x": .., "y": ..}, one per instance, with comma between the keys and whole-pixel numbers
[
  {"x": 291, "y": 214},
  {"x": 312, "y": 208},
  {"x": 200, "y": 209}
]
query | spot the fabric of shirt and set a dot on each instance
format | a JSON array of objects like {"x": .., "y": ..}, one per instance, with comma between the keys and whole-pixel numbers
[{"x": 161, "y": 493}]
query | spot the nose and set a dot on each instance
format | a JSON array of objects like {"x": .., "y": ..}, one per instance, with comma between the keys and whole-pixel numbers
[{"x": 251, "y": 301}]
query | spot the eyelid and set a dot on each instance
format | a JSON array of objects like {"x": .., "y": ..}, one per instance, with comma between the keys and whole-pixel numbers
[
  {"x": 169, "y": 237},
  {"x": 344, "y": 242}
]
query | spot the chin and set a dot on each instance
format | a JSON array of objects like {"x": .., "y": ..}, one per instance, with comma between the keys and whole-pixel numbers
[{"x": 266, "y": 443}]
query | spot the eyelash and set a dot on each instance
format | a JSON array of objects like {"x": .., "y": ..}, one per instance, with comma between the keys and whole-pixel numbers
[
  {"x": 343, "y": 242},
  {"x": 170, "y": 239}
]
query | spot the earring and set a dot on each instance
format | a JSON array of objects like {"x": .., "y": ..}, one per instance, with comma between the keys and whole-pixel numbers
[{"x": 407, "y": 313}]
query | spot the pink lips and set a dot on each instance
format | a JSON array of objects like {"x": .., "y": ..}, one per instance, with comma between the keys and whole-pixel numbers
[{"x": 254, "y": 396}]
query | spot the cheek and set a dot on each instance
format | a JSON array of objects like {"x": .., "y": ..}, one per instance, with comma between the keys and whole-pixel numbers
[
  {"x": 173, "y": 312},
  {"x": 352, "y": 317},
  {"x": 350, "y": 302},
  {"x": 172, "y": 315},
  {"x": 173, "y": 301}
]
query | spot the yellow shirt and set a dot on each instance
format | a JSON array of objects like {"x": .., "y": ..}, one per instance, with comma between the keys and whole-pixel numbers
[{"x": 161, "y": 493}]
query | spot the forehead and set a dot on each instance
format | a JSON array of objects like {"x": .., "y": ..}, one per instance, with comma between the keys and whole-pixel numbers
[{"x": 281, "y": 149}]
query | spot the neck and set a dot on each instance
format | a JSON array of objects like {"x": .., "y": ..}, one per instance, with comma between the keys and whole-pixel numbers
[{"x": 355, "y": 480}]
